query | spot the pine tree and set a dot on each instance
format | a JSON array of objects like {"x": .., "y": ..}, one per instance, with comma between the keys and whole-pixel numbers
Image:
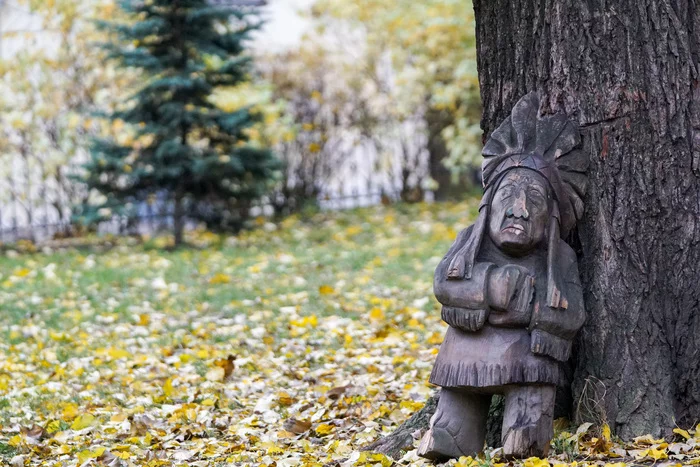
[{"x": 185, "y": 149}]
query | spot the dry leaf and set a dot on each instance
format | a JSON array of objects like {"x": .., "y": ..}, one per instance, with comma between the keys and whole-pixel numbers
[
  {"x": 227, "y": 365},
  {"x": 297, "y": 426},
  {"x": 215, "y": 374},
  {"x": 336, "y": 392}
]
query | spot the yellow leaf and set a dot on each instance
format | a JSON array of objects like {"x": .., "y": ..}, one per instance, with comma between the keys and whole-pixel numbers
[
  {"x": 465, "y": 461},
  {"x": 682, "y": 432},
  {"x": 435, "y": 338},
  {"x": 326, "y": 290},
  {"x": 323, "y": 429},
  {"x": 536, "y": 462},
  {"x": 119, "y": 417},
  {"x": 376, "y": 314},
  {"x": 285, "y": 399},
  {"x": 656, "y": 454},
  {"x": 659, "y": 453},
  {"x": 606, "y": 432},
  {"x": 168, "y": 387},
  {"x": 272, "y": 448},
  {"x": 70, "y": 411},
  {"x": 411, "y": 405},
  {"x": 116, "y": 353},
  {"x": 84, "y": 456},
  {"x": 220, "y": 278},
  {"x": 53, "y": 426},
  {"x": 353, "y": 230},
  {"x": 374, "y": 459},
  {"x": 82, "y": 422},
  {"x": 648, "y": 440}
]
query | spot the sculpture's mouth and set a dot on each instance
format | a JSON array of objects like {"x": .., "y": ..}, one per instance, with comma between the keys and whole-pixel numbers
[{"x": 516, "y": 229}]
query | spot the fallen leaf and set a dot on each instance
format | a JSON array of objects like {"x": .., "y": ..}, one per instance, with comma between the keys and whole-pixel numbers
[
  {"x": 376, "y": 314},
  {"x": 323, "y": 429},
  {"x": 227, "y": 365},
  {"x": 82, "y": 422},
  {"x": 183, "y": 454},
  {"x": 285, "y": 399},
  {"x": 35, "y": 433},
  {"x": 336, "y": 392},
  {"x": 87, "y": 454},
  {"x": 215, "y": 374},
  {"x": 536, "y": 462},
  {"x": 220, "y": 278},
  {"x": 297, "y": 426}
]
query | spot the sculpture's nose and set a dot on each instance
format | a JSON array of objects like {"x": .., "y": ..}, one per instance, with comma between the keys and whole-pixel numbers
[{"x": 519, "y": 207}]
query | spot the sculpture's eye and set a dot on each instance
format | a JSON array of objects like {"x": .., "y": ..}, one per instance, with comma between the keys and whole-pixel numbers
[
  {"x": 536, "y": 197},
  {"x": 505, "y": 191}
]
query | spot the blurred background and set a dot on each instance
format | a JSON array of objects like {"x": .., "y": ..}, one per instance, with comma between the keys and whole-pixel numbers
[{"x": 351, "y": 103}]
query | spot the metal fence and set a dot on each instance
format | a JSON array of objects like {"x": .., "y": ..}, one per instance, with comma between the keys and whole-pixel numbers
[{"x": 154, "y": 218}]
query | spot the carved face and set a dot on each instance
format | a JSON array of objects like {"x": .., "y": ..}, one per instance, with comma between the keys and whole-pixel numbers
[{"x": 519, "y": 214}]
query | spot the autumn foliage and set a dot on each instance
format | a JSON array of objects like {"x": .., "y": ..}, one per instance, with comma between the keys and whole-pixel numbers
[{"x": 292, "y": 345}]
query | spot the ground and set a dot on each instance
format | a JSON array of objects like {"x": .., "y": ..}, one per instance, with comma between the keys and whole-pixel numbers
[{"x": 292, "y": 344}]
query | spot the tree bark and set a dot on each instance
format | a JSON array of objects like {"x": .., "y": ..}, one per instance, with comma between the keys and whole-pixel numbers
[
  {"x": 447, "y": 189},
  {"x": 437, "y": 149},
  {"x": 178, "y": 220},
  {"x": 401, "y": 440},
  {"x": 627, "y": 70}
]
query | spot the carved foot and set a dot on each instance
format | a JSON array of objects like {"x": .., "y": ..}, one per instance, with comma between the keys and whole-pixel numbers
[
  {"x": 438, "y": 445},
  {"x": 527, "y": 441},
  {"x": 458, "y": 427},
  {"x": 527, "y": 421}
]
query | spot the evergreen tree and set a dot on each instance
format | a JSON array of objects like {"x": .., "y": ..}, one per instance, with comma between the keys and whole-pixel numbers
[{"x": 184, "y": 148}]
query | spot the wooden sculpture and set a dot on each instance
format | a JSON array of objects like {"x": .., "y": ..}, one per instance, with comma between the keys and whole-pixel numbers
[{"x": 511, "y": 291}]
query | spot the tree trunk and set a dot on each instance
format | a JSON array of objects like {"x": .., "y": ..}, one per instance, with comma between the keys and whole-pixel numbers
[
  {"x": 178, "y": 220},
  {"x": 437, "y": 149},
  {"x": 448, "y": 188},
  {"x": 627, "y": 70}
]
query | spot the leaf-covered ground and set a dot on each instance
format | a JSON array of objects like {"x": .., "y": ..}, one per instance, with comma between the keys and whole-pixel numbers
[{"x": 289, "y": 345}]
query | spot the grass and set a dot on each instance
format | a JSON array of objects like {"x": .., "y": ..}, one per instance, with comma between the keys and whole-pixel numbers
[
  {"x": 289, "y": 345},
  {"x": 136, "y": 330}
]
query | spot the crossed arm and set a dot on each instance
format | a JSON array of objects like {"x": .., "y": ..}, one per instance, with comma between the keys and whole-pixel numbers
[{"x": 504, "y": 296}]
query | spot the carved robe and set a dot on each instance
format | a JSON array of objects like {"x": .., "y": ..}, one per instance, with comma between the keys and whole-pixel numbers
[{"x": 507, "y": 348}]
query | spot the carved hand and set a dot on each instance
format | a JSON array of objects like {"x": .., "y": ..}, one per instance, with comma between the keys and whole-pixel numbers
[
  {"x": 463, "y": 318},
  {"x": 510, "y": 289}
]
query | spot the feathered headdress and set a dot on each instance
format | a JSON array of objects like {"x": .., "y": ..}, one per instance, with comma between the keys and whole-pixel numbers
[{"x": 547, "y": 144}]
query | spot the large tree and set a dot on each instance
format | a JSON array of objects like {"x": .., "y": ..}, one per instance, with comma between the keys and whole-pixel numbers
[{"x": 628, "y": 71}]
